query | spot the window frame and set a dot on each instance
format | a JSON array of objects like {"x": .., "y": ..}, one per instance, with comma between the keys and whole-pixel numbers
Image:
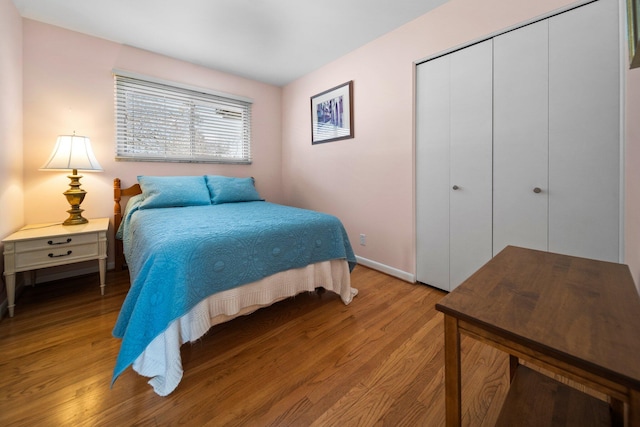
[{"x": 162, "y": 121}]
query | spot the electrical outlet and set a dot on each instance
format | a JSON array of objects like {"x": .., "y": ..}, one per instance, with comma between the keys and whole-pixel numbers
[{"x": 363, "y": 239}]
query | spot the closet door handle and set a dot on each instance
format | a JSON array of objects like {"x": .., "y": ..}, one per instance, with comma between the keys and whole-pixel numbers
[
  {"x": 455, "y": 187},
  {"x": 537, "y": 190}
]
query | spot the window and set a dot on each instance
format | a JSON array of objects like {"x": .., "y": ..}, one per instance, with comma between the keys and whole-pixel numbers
[{"x": 161, "y": 122}]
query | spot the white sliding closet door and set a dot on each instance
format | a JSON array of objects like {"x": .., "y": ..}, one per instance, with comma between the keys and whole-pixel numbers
[
  {"x": 453, "y": 165},
  {"x": 433, "y": 86},
  {"x": 584, "y": 139},
  {"x": 521, "y": 138},
  {"x": 470, "y": 228}
]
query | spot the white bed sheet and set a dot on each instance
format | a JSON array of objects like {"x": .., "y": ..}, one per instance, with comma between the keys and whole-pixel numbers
[{"x": 161, "y": 359}]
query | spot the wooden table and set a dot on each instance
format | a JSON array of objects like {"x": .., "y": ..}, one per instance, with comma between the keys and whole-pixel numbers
[{"x": 572, "y": 316}]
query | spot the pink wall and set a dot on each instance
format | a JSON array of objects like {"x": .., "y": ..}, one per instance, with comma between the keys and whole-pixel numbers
[
  {"x": 68, "y": 86},
  {"x": 11, "y": 183},
  {"x": 368, "y": 181}
]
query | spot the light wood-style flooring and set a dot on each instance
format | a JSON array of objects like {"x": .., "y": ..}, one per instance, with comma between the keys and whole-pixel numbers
[{"x": 306, "y": 361}]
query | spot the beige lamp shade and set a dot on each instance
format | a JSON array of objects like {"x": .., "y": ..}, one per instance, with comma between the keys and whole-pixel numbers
[{"x": 73, "y": 152}]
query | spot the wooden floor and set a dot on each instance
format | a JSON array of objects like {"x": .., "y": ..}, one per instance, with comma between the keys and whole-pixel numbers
[{"x": 304, "y": 361}]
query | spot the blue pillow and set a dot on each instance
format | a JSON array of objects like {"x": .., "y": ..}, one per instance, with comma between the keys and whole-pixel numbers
[
  {"x": 173, "y": 191},
  {"x": 225, "y": 189}
]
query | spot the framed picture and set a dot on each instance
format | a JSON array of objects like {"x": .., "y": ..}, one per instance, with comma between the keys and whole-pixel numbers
[
  {"x": 633, "y": 8},
  {"x": 332, "y": 114}
]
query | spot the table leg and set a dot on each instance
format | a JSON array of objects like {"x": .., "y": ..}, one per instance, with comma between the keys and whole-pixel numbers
[
  {"x": 452, "y": 380},
  {"x": 617, "y": 412},
  {"x": 102, "y": 265},
  {"x": 513, "y": 366},
  {"x": 11, "y": 292},
  {"x": 634, "y": 408}
]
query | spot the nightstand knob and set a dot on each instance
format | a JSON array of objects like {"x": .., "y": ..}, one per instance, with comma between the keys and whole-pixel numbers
[
  {"x": 58, "y": 256},
  {"x": 51, "y": 242}
]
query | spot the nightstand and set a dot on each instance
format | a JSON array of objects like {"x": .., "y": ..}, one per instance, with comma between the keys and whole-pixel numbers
[{"x": 48, "y": 245}]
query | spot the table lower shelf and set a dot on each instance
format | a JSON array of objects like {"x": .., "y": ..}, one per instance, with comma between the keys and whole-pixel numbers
[{"x": 535, "y": 399}]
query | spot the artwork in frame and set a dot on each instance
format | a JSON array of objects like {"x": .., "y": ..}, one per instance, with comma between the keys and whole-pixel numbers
[
  {"x": 633, "y": 14},
  {"x": 332, "y": 114}
]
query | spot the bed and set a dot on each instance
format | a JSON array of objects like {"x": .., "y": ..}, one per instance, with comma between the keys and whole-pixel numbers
[{"x": 202, "y": 250}]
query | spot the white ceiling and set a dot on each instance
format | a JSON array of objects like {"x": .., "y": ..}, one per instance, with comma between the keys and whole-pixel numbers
[{"x": 273, "y": 41}]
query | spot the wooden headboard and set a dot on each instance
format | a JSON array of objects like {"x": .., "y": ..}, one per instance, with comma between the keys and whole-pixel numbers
[{"x": 118, "y": 194}]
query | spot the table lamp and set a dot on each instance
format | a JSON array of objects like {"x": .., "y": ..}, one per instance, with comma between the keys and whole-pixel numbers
[{"x": 73, "y": 152}]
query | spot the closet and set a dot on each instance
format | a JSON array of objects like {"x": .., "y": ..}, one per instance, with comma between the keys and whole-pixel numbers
[{"x": 518, "y": 143}]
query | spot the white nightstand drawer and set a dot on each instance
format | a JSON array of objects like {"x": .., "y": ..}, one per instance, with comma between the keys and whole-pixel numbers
[
  {"x": 55, "y": 256},
  {"x": 56, "y": 242}
]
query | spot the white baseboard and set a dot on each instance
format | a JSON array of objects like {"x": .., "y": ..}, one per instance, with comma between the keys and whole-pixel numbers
[
  {"x": 43, "y": 276},
  {"x": 402, "y": 275},
  {"x": 49, "y": 275}
]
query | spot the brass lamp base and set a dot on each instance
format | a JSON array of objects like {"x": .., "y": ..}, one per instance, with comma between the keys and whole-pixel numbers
[
  {"x": 75, "y": 217},
  {"x": 75, "y": 196}
]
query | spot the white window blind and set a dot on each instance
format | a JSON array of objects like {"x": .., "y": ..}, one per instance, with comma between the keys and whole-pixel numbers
[{"x": 160, "y": 122}]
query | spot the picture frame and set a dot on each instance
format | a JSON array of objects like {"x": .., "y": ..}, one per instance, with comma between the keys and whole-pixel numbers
[
  {"x": 332, "y": 114},
  {"x": 633, "y": 19}
]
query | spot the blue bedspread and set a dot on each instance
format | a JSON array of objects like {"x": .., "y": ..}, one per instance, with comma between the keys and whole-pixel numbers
[{"x": 179, "y": 256}]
